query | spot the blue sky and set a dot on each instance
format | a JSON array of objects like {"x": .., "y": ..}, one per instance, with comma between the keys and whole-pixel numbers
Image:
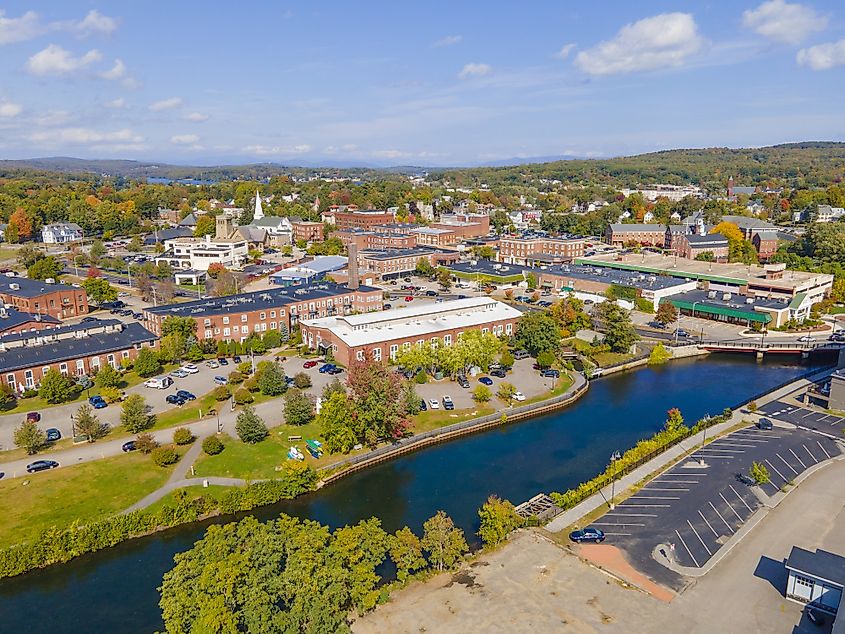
[{"x": 433, "y": 83}]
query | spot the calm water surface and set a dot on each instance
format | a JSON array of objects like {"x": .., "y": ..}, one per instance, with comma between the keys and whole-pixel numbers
[{"x": 115, "y": 590}]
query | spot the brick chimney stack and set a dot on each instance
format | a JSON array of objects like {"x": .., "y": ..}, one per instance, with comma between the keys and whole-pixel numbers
[{"x": 352, "y": 265}]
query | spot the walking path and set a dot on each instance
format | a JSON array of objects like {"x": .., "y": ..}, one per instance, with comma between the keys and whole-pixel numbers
[{"x": 172, "y": 485}]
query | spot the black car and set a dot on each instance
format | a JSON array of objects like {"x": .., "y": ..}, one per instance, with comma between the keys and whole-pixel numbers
[
  {"x": 175, "y": 399},
  {"x": 764, "y": 423},
  {"x": 185, "y": 395},
  {"x": 462, "y": 381},
  {"x": 236, "y": 359},
  {"x": 498, "y": 372},
  {"x": 746, "y": 480},
  {"x": 588, "y": 534},
  {"x": 128, "y": 446},
  {"x": 335, "y": 370},
  {"x": 53, "y": 434},
  {"x": 423, "y": 406},
  {"x": 222, "y": 361},
  {"x": 550, "y": 373},
  {"x": 41, "y": 465},
  {"x": 431, "y": 293}
]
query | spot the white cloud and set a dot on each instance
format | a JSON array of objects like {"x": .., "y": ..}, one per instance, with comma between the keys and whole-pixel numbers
[
  {"x": 166, "y": 104},
  {"x": 94, "y": 22},
  {"x": 449, "y": 40},
  {"x": 660, "y": 41},
  {"x": 116, "y": 72},
  {"x": 81, "y": 136},
  {"x": 783, "y": 21},
  {"x": 184, "y": 139},
  {"x": 823, "y": 56},
  {"x": 391, "y": 154},
  {"x": 19, "y": 29},
  {"x": 117, "y": 104},
  {"x": 564, "y": 52},
  {"x": 9, "y": 110},
  {"x": 268, "y": 150},
  {"x": 56, "y": 117},
  {"x": 196, "y": 116},
  {"x": 54, "y": 60},
  {"x": 474, "y": 70}
]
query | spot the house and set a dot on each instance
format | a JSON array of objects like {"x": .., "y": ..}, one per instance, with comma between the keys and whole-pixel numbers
[
  {"x": 43, "y": 297},
  {"x": 692, "y": 245},
  {"x": 279, "y": 230},
  {"x": 826, "y": 213},
  {"x": 74, "y": 350},
  {"x": 15, "y": 321},
  {"x": 380, "y": 336},
  {"x": 61, "y": 233},
  {"x": 816, "y": 579},
  {"x": 748, "y": 225},
  {"x": 765, "y": 241}
]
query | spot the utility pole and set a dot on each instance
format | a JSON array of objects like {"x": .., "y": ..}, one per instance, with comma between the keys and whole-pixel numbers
[{"x": 613, "y": 458}]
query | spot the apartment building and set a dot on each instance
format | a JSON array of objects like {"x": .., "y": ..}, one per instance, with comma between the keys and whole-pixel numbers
[
  {"x": 43, "y": 297},
  {"x": 539, "y": 250}
]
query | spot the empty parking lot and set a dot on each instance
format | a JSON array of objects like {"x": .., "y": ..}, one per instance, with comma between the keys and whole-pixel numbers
[
  {"x": 803, "y": 417},
  {"x": 695, "y": 509}
]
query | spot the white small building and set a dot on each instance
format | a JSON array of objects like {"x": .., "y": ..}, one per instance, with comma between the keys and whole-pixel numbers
[
  {"x": 61, "y": 233},
  {"x": 198, "y": 254},
  {"x": 815, "y": 578},
  {"x": 826, "y": 213}
]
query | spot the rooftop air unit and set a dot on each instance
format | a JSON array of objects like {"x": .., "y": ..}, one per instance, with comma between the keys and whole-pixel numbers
[
  {"x": 711, "y": 295},
  {"x": 15, "y": 287},
  {"x": 726, "y": 297},
  {"x": 749, "y": 300}
]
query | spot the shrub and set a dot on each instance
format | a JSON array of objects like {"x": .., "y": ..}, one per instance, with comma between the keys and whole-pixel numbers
[
  {"x": 759, "y": 472},
  {"x": 164, "y": 456},
  {"x": 110, "y": 394},
  {"x": 245, "y": 368},
  {"x": 221, "y": 393},
  {"x": 498, "y": 519},
  {"x": 421, "y": 377},
  {"x": 251, "y": 429},
  {"x": 243, "y": 396},
  {"x": 235, "y": 378},
  {"x": 481, "y": 394},
  {"x": 212, "y": 445},
  {"x": 301, "y": 380},
  {"x": 145, "y": 443},
  {"x": 659, "y": 354},
  {"x": 183, "y": 436},
  {"x": 251, "y": 384}
]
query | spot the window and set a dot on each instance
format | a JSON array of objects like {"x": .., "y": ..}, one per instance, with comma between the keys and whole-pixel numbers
[
  {"x": 226, "y": 332},
  {"x": 207, "y": 322},
  {"x": 226, "y": 320},
  {"x": 63, "y": 369},
  {"x": 28, "y": 380},
  {"x": 216, "y": 331},
  {"x": 359, "y": 355},
  {"x": 262, "y": 315},
  {"x": 406, "y": 346},
  {"x": 125, "y": 354},
  {"x": 508, "y": 329},
  {"x": 243, "y": 318},
  {"x": 376, "y": 354},
  {"x": 447, "y": 340},
  {"x": 393, "y": 350},
  {"x": 44, "y": 370},
  {"x": 257, "y": 328},
  {"x": 80, "y": 367},
  {"x": 245, "y": 330},
  {"x": 10, "y": 379},
  {"x": 208, "y": 333},
  {"x": 484, "y": 331},
  {"x": 272, "y": 314},
  {"x": 263, "y": 327},
  {"x": 272, "y": 325}
]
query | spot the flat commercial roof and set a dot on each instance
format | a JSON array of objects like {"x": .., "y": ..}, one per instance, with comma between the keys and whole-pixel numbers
[
  {"x": 633, "y": 279},
  {"x": 415, "y": 321},
  {"x": 490, "y": 269},
  {"x": 30, "y": 288},
  {"x": 389, "y": 254},
  {"x": 737, "y": 274},
  {"x": 736, "y": 306}
]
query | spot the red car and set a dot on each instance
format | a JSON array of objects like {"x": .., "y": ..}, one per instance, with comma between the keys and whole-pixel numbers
[
  {"x": 33, "y": 417},
  {"x": 409, "y": 299},
  {"x": 309, "y": 364}
]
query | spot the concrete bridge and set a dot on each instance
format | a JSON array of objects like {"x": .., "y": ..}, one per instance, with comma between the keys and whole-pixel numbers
[{"x": 761, "y": 346}]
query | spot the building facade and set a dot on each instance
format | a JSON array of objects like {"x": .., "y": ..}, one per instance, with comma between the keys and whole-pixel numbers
[
  {"x": 516, "y": 250},
  {"x": 61, "y": 233},
  {"x": 382, "y": 336},
  {"x": 619, "y": 235},
  {"x": 362, "y": 219},
  {"x": 307, "y": 231},
  {"x": 36, "y": 296},
  {"x": 198, "y": 254},
  {"x": 392, "y": 263},
  {"x": 14, "y": 321}
]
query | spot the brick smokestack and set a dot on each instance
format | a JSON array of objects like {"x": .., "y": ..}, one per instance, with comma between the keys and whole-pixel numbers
[{"x": 352, "y": 251}]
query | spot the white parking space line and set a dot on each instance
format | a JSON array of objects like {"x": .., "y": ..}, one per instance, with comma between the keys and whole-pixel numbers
[
  {"x": 680, "y": 475},
  {"x": 797, "y": 458},
  {"x": 811, "y": 454},
  {"x": 676, "y": 481},
  {"x": 689, "y": 552},
  {"x": 786, "y": 463},
  {"x": 652, "y": 497},
  {"x": 743, "y": 445},
  {"x": 714, "y": 455},
  {"x": 808, "y": 414},
  {"x": 699, "y": 538},
  {"x": 730, "y": 528},
  {"x": 646, "y": 506},
  {"x": 774, "y": 468},
  {"x": 615, "y": 524},
  {"x": 826, "y": 416},
  {"x": 615, "y": 514},
  {"x": 821, "y": 446},
  {"x": 739, "y": 517},
  {"x": 650, "y": 488},
  {"x": 741, "y": 499},
  {"x": 836, "y": 421},
  {"x": 712, "y": 448},
  {"x": 708, "y": 525}
]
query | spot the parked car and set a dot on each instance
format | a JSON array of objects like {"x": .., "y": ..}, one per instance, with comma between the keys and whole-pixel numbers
[
  {"x": 423, "y": 406},
  {"x": 178, "y": 374},
  {"x": 212, "y": 364},
  {"x": 498, "y": 373},
  {"x": 41, "y": 465},
  {"x": 680, "y": 332},
  {"x": 433, "y": 404},
  {"x": 220, "y": 380},
  {"x": 33, "y": 417},
  {"x": 128, "y": 446},
  {"x": 764, "y": 423},
  {"x": 326, "y": 367},
  {"x": 97, "y": 402},
  {"x": 408, "y": 298},
  {"x": 185, "y": 394},
  {"x": 447, "y": 402},
  {"x": 222, "y": 361},
  {"x": 175, "y": 399},
  {"x": 518, "y": 396},
  {"x": 521, "y": 354},
  {"x": 53, "y": 434},
  {"x": 431, "y": 293},
  {"x": 806, "y": 339},
  {"x": 387, "y": 306},
  {"x": 335, "y": 370},
  {"x": 462, "y": 381},
  {"x": 550, "y": 373},
  {"x": 190, "y": 368},
  {"x": 588, "y": 534},
  {"x": 485, "y": 380},
  {"x": 746, "y": 480},
  {"x": 309, "y": 364},
  {"x": 236, "y": 359},
  {"x": 159, "y": 382}
]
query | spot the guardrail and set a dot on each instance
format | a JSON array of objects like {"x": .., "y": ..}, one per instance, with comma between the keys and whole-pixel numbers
[
  {"x": 750, "y": 344},
  {"x": 434, "y": 436}
]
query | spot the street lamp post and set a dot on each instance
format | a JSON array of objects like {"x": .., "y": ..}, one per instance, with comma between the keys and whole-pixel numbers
[
  {"x": 704, "y": 440},
  {"x": 613, "y": 458}
]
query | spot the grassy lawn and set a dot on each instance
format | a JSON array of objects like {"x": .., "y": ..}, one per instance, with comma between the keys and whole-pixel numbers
[
  {"x": 837, "y": 310},
  {"x": 604, "y": 359},
  {"x": 88, "y": 491},
  {"x": 212, "y": 490},
  {"x": 432, "y": 419}
]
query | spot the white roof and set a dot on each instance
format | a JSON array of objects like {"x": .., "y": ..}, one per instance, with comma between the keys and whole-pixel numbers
[{"x": 423, "y": 320}]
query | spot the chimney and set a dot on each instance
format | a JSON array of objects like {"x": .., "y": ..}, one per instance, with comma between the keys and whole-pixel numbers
[{"x": 352, "y": 251}]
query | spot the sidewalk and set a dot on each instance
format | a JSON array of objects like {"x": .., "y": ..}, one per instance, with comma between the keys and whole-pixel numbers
[{"x": 571, "y": 516}]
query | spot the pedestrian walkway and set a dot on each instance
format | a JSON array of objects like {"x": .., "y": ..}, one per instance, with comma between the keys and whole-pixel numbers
[{"x": 172, "y": 485}]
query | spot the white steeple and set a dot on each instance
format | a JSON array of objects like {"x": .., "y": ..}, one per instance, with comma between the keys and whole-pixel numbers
[{"x": 259, "y": 212}]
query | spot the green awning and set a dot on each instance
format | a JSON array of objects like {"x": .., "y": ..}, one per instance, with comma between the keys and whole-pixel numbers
[
  {"x": 795, "y": 304},
  {"x": 724, "y": 311}
]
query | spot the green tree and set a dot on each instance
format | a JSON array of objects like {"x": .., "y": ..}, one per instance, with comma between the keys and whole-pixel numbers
[
  {"x": 424, "y": 268},
  {"x": 97, "y": 251},
  {"x": 56, "y": 387},
  {"x": 45, "y": 268},
  {"x": 165, "y": 455},
  {"x": 28, "y": 255},
  {"x": 443, "y": 541},
  {"x": 498, "y": 519},
  {"x": 545, "y": 359},
  {"x": 506, "y": 392},
  {"x": 299, "y": 410},
  {"x": 531, "y": 281},
  {"x": 444, "y": 278},
  {"x": 570, "y": 315},
  {"x": 147, "y": 363},
  {"x": 272, "y": 382},
  {"x": 107, "y": 377},
  {"x": 674, "y": 420},
  {"x": 666, "y": 313},
  {"x": 185, "y": 326},
  {"x": 135, "y": 415},
  {"x": 86, "y": 423},
  {"x": 206, "y": 226},
  {"x": 172, "y": 348},
  {"x": 506, "y": 359},
  {"x": 99, "y": 290},
  {"x": 301, "y": 380},
  {"x": 759, "y": 472},
  {"x": 406, "y": 553},
  {"x": 212, "y": 445},
  {"x": 221, "y": 393},
  {"x": 29, "y": 437},
  {"x": 183, "y": 436},
  {"x": 249, "y": 426},
  {"x": 481, "y": 394},
  {"x": 145, "y": 443},
  {"x": 135, "y": 245},
  {"x": 659, "y": 355},
  {"x": 538, "y": 332},
  {"x": 335, "y": 423},
  {"x": 619, "y": 331}
]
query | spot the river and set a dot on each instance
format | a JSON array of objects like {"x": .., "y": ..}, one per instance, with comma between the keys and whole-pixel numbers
[{"x": 115, "y": 590}]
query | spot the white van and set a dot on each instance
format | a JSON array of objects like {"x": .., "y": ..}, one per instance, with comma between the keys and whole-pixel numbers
[{"x": 160, "y": 382}]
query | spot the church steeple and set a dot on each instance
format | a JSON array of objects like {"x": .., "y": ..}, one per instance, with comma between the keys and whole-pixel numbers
[{"x": 259, "y": 212}]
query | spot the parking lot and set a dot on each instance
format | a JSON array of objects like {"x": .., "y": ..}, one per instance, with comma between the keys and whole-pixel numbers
[
  {"x": 694, "y": 509},
  {"x": 803, "y": 417}
]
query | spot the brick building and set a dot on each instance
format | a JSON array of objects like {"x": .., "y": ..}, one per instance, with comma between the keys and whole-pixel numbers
[
  {"x": 363, "y": 219},
  {"x": 364, "y": 239},
  {"x": 381, "y": 336},
  {"x": 399, "y": 262},
  {"x": 74, "y": 350},
  {"x": 307, "y": 231},
  {"x": 36, "y": 296},
  {"x": 765, "y": 241},
  {"x": 619, "y": 235},
  {"x": 235, "y": 317},
  {"x": 14, "y": 321},
  {"x": 516, "y": 250},
  {"x": 435, "y": 237},
  {"x": 692, "y": 245}
]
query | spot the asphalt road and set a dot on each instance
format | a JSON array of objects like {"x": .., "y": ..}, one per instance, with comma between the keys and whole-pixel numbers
[{"x": 697, "y": 509}]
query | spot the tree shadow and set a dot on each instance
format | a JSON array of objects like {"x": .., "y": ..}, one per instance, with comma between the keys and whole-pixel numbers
[{"x": 772, "y": 571}]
